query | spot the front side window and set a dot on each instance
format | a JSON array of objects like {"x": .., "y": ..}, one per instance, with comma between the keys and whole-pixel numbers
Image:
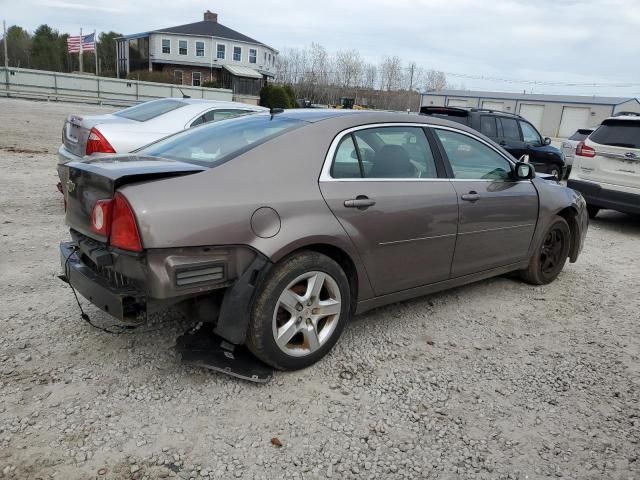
[
  {"x": 471, "y": 159},
  {"x": 166, "y": 45},
  {"x": 530, "y": 134},
  {"x": 253, "y": 55},
  {"x": 213, "y": 144},
  {"x": 182, "y": 47},
  {"x": 510, "y": 128},
  {"x": 199, "y": 49},
  {"x": 237, "y": 54},
  {"x": 196, "y": 78},
  {"x": 214, "y": 115},
  {"x": 221, "y": 51},
  {"x": 385, "y": 152}
]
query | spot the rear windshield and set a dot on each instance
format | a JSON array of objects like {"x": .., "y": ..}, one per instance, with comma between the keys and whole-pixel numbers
[
  {"x": 147, "y": 111},
  {"x": 580, "y": 135},
  {"x": 618, "y": 133},
  {"x": 214, "y": 143}
]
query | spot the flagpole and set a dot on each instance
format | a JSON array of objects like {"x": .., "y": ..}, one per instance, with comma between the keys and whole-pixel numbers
[
  {"x": 80, "y": 56},
  {"x": 95, "y": 50}
]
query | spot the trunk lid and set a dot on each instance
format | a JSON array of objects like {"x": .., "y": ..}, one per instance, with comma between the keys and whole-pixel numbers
[
  {"x": 99, "y": 179},
  {"x": 77, "y": 128}
]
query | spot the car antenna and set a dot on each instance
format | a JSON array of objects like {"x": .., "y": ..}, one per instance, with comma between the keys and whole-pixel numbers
[
  {"x": 183, "y": 94},
  {"x": 273, "y": 111}
]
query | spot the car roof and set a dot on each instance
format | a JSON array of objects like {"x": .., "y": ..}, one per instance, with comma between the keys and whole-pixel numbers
[
  {"x": 631, "y": 117},
  {"x": 220, "y": 103}
]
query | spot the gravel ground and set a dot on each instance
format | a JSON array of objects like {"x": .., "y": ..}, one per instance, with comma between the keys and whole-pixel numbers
[{"x": 494, "y": 380}]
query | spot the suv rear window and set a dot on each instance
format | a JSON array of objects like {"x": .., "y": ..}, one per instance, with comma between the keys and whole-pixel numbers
[
  {"x": 214, "y": 143},
  {"x": 580, "y": 135},
  {"x": 618, "y": 133},
  {"x": 147, "y": 111}
]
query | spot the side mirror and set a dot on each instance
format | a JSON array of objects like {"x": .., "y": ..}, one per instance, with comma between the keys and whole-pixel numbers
[
  {"x": 547, "y": 141},
  {"x": 524, "y": 171}
]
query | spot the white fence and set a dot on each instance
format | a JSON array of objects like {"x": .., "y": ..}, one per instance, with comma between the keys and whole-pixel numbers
[{"x": 40, "y": 84}]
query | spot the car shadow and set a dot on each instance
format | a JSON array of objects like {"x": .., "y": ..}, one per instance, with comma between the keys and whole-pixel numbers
[{"x": 617, "y": 222}]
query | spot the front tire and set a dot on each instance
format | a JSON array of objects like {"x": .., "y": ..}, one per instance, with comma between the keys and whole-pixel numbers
[
  {"x": 299, "y": 312},
  {"x": 550, "y": 254}
]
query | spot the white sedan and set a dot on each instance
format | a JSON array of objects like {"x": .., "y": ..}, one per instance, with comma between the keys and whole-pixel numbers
[{"x": 134, "y": 127}]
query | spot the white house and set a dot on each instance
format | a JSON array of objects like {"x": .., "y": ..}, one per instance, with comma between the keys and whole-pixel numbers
[{"x": 200, "y": 52}]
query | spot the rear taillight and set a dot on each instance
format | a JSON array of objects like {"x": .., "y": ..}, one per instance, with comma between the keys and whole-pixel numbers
[
  {"x": 585, "y": 151},
  {"x": 101, "y": 217},
  {"x": 115, "y": 219},
  {"x": 124, "y": 230},
  {"x": 96, "y": 143}
]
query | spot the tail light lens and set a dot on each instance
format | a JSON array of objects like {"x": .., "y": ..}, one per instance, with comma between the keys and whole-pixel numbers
[
  {"x": 96, "y": 143},
  {"x": 115, "y": 219},
  {"x": 124, "y": 229},
  {"x": 101, "y": 217},
  {"x": 585, "y": 151}
]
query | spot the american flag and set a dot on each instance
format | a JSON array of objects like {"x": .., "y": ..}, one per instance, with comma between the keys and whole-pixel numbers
[{"x": 88, "y": 43}]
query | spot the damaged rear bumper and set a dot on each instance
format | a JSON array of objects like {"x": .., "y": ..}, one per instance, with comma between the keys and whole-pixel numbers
[{"x": 122, "y": 301}]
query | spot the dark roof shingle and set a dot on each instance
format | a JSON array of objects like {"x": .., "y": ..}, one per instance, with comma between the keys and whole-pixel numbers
[{"x": 208, "y": 29}]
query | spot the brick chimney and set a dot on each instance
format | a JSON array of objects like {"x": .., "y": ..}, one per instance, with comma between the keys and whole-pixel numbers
[{"x": 210, "y": 17}]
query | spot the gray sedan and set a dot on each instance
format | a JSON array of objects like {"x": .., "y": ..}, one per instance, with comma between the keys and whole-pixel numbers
[{"x": 274, "y": 229}]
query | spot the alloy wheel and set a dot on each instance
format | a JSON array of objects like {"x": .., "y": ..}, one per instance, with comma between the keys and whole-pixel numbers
[
  {"x": 552, "y": 249},
  {"x": 306, "y": 313}
]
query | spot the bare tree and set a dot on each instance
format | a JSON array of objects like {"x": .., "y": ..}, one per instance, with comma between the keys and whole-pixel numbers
[
  {"x": 435, "y": 80},
  {"x": 370, "y": 76},
  {"x": 349, "y": 67},
  {"x": 390, "y": 73}
]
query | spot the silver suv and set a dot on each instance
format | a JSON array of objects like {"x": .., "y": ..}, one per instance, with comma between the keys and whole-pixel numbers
[{"x": 606, "y": 168}]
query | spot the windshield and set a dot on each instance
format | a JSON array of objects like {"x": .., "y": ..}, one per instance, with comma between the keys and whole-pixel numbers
[
  {"x": 214, "y": 143},
  {"x": 147, "y": 111},
  {"x": 618, "y": 133}
]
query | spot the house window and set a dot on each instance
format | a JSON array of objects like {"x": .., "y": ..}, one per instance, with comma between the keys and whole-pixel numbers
[
  {"x": 237, "y": 54},
  {"x": 195, "y": 79},
  {"x": 221, "y": 51},
  {"x": 177, "y": 77},
  {"x": 269, "y": 58},
  {"x": 182, "y": 47},
  {"x": 199, "y": 49},
  {"x": 265, "y": 58},
  {"x": 253, "y": 55},
  {"x": 166, "y": 45}
]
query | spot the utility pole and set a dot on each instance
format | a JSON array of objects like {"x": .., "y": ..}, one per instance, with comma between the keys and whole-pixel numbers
[
  {"x": 6, "y": 56},
  {"x": 80, "y": 55},
  {"x": 413, "y": 66},
  {"x": 95, "y": 50}
]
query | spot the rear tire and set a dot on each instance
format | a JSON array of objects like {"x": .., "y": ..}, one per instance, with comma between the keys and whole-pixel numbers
[
  {"x": 299, "y": 312},
  {"x": 592, "y": 210},
  {"x": 550, "y": 255}
]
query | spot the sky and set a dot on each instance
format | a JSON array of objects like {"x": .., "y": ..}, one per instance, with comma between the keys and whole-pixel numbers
[{"x": 503, "y": 45}]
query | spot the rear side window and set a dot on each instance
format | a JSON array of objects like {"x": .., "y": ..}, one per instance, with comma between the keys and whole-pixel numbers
[
  {"x": 488, "y": 126},
  {"x": 618, "y": 133},
  {"x": 580, "y": 135},
  {"x": 385, "y": 152},
  {"x": 510, "y": 128},
  {"x": 149, "y": 110}
]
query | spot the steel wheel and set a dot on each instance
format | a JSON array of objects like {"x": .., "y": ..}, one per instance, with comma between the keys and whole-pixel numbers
[
  {"x": 553, "y": 248},
  {"x": 306, "y": 313}
]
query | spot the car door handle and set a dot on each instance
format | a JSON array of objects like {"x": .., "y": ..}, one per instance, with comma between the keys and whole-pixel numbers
[
  {"x": 471, "y": 197},
  {"x": 361, "y": 202}
]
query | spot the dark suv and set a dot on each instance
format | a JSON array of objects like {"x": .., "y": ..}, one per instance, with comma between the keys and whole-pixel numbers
[{"x": 511, "y": 131}]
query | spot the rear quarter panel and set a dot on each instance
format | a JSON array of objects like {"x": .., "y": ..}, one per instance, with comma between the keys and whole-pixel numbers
[{"x": 215, "y": 207}]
